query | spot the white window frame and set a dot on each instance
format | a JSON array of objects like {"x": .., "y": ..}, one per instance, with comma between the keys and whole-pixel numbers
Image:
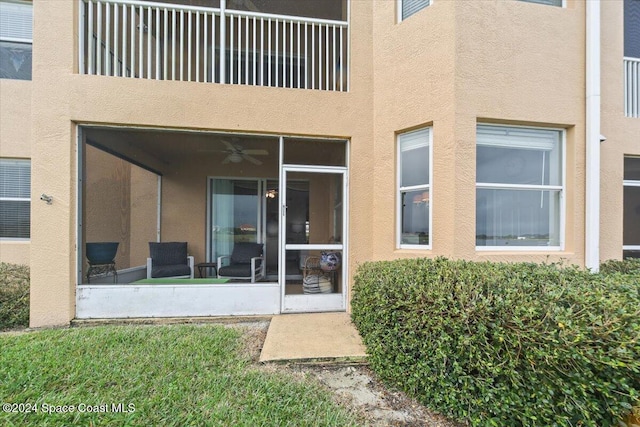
[
  {"x": 399, "y": 9},
  {"x": 630, "y": 183},
  {"x": 400, "y": 189},
  {"x": 563, "y": 5},
  {"x": 561, "y": 188},
  {"x": 17, "y": 199}
]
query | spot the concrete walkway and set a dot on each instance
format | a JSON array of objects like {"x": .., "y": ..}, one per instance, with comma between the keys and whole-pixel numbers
[{"x": 312, "y": 336}]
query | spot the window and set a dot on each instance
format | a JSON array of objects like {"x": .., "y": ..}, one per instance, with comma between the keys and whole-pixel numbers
[
  {"x": 519, "y": 187},
  {"x": 15, "y": 40},
  {"x": 15, "y": 198},
  {"x": 632, "y": 28},
  {"x": 409, "y": 7},
  {"x": 631, "y": 225},
  {"x": 414, "y": 178},
  {"x": 547, "y": 2}
]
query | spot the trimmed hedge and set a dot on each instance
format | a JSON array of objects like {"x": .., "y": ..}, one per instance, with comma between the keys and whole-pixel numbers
[
  {"x": 627, "y": 266},
  {"x": 14, "y": 296},
  {"x": 503, "y": 344}
]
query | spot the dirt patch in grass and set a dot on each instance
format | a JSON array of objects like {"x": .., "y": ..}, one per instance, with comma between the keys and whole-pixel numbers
[{"x": 353, "y": 386}]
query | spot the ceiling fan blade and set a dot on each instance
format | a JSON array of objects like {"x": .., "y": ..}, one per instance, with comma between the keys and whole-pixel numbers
[
  {"x": 256, "y": 152},
  {"x": 251, "y": 159},
  {"x": 226, "y": 160},
  {"x": 229, "y": 145}
]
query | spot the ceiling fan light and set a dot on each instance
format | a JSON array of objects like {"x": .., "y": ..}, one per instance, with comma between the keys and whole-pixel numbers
[{"x": 235, "y": 158}]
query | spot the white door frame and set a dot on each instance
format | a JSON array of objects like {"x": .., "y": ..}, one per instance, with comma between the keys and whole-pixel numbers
[{"x": 316, "y": 302}]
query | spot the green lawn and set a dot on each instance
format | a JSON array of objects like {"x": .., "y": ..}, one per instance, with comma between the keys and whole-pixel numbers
[{"x": 180, "y": 375}]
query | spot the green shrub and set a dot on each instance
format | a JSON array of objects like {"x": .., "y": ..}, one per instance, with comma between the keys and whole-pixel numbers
[
  {"x": 14, "y": 296},
  {"x": 627, "y": 266},
  {"x": 503, "y": 344}
]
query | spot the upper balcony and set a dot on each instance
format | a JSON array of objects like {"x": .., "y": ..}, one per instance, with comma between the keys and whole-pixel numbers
[
  {"x": 632, "y": 87},
  {"x": 302, "y": 44}
]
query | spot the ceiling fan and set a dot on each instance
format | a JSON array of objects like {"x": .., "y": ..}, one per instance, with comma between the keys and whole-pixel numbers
[{"x": 235, "y": 153}]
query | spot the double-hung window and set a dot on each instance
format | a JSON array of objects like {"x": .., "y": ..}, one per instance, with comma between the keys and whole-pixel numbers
[
  {"x": 15, "y": 198},
  {"x": 16, "y": 38},
  {"x": 631, "y": 225},
  {"x": 414, "y": 189},
  {"x": 519, "y": 188},
  {"x": 406, "y": 8}
]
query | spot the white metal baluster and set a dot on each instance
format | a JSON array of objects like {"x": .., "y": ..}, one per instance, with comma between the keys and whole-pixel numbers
[
  {"x": 132, "y": 45},
  {"x": 299, "y": 58},
  {"x": 205, "y": 36},
  {"x": 334, "y": 68},
  {"x": 291, "y": 54},
  {"x": 124, "y": 40},
  {"x": 99, "y": 40},
  {"x": 261, "y": 51},
  {"x": 306, "y": 56},
  {"x": 107, "y": 37},
  {"x": 197, "y": 46},
  {"x": 284, "y": 53},
  {"x": 342, "y": 64},
  {"x": 149, "y": 50},
  {"x": 277, "y": 64},
  {"x": 313, "y": 56},
  {"x": 326, "y": 57},
  {"x": 189, "y": 77},
  {"x": 213, "y": 47},
  {"x": 223, "y": 42},
  {"x": 231, "y": 59},
  {"x": 140, "y": 25},
  {"x": 254, "y": 31},
  {"x": 181, "y": 45},
  {"x": 116, "y": 33},
  {"x": 239, "y": 49},
  {"x": 90, "y": 50},
  {"x": 627, "y": 88},
  {"x": 627, "y": 110},
  {"x": 320, "y": 57},
  {"x": 165, "y": 59},
  {"x": 636, "y": 88},
  {"x": 246, "y": 50},
  {"x": 270, "y": 50},
  {"x": 157, "y": 36},
  {"x": 173, "y": 44}
]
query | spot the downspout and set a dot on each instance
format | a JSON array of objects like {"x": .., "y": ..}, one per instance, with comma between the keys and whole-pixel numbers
[{"x": 592, "y": 170}]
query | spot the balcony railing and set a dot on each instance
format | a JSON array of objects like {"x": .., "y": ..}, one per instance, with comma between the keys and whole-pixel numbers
[
  {"x": 632, "y": 87},
  {"x": 163, "y": 41}
]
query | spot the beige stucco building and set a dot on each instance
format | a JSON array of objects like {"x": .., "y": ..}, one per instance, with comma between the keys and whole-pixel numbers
[{"x": 503, "y": 130}]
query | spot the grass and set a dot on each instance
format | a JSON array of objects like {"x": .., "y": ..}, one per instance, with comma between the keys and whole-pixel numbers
[
  {"x": 14, "y": 296},
  {"x": 181, "y": 375}
]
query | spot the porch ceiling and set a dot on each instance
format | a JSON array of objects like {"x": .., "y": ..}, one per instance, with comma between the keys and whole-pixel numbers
[{"x": 159, "y": 150}]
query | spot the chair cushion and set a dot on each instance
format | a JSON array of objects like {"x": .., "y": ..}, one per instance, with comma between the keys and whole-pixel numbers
[
  {"x": 235, "y": 270},
  {"x": 244, "y": 251},
  {"x": 168, "y": 253},
  {"x": 170, "y": 270}
]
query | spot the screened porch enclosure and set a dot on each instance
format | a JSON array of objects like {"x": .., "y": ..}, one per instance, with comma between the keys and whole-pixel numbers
[{"x": 215, "y": 192}]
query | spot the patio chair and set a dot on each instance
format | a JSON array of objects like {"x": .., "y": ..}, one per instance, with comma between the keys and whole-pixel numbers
[
  {"x": 245, "y": 262},
  {"x": 169, "y": 259}
]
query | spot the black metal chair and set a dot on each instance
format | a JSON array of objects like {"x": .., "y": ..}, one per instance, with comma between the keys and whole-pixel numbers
[
  {"x": 169, "y": 259},
  {"x": 245, "y": 262}
]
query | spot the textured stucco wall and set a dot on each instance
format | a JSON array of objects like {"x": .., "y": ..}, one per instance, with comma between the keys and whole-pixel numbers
[
  {"x": 63, "y": 98},
  {"x": 469, "y": 62},
  {"x": 15, "y": 142},
  {"x": 622, "y": 133}
]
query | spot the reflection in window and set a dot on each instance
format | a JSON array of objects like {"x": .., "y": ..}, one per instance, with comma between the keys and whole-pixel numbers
[
  {"x": 519, "y": 187},
  {"x": 414, "y": 188},
  {"x": 16, "y": 37}
]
